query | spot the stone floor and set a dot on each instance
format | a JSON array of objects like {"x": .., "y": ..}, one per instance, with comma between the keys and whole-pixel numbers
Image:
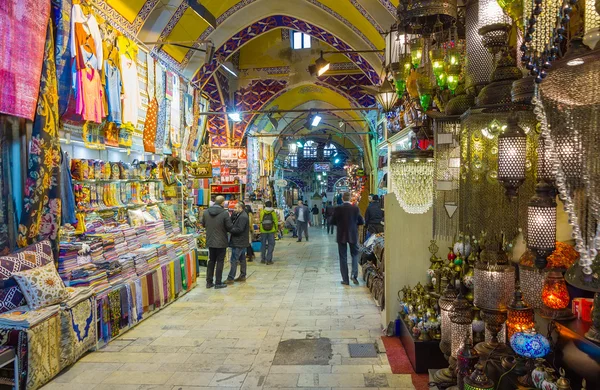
[{"x": 211, "y": 339}]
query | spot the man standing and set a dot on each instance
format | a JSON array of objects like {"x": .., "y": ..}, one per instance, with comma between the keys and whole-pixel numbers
[
  {"x": 268, "y": 227},
  {"x": 374, "y": 216},
  {"x": 217, "y": 222},
  {"x": 302, "y": 216},
  {"x": 347, "y": 218},
  {"x": 329, "y": 216},
  {"x": 239, "y": 242},
  {"x": 315, "y": 215}
]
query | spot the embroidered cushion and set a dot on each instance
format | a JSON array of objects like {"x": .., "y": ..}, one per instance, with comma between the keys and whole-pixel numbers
[
  {"x": 136, "y": 217},
  {"x": 167, "y": 212},
  {"x": 155, "y": 212},
  {"x": 33, "y": 256},
  {"x": 41, "y": 286}
]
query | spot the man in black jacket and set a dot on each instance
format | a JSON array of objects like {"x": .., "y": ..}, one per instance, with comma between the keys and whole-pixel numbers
[
  {"x": 239, "y": 242},
  {"x": 217, "y": 222},
  {"x": 329, "y": 215},
  {"x": 374, "y": 216},
  {"x": 347, "y": 218}
]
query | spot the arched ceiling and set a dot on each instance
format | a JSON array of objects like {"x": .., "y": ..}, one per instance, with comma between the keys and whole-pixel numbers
[{"x": 252, "y": 35}]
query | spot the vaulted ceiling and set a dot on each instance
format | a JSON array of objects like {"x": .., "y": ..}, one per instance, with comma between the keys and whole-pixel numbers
[{"x": 251, "y": 34}]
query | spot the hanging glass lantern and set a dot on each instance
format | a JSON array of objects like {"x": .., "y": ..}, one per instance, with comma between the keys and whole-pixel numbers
[
  {"x": 453, "y": 77},
  {"x": 425, "y": 90},
  {"x": 401, "y": 74},
  {"x": 416, "y": 51},
  {"x": 441, "y": 80},
  {"x": 478, "y": 380},
  {"x": 437, "y": 61},
  {"x": 386, "y": 96},
  {"x": 520, "y": 317},
  {"x": 453, "y": 56},
  {"x": 512, "y": 156}
]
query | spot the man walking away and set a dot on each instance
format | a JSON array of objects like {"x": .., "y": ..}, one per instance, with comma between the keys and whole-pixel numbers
[
  {"x": 374, "y": 216},
  {"x": 239, "y": 242},
  {"x": 302, "y": 215},
  {"x": 217, "y": 222},
  {"x": 268, "y": 227},
  {"x": 329, "y": 216},
  {"x": 290, "y": 224},
  {"x": 347, "y": 218}
]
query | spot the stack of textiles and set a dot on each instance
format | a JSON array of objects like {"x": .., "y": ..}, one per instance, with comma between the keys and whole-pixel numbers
[
  {"x": 96, "y": 250},
  {"x": 23, "y": 317},
  {"x": 68, "y": 258},
  {"x": 130, "y": 238},
  {"x": 171, "y": 249},
  {"x": 142, "y": 235},
  {"x": 153, "y": 259},
  {"x": 120, "y": 244},
  {"x": 163, "y": 253},
  {"x": 113, "y": 270},
  {"x": 127, "y": 266},
  {"x": 156, "y": 231},
  {"x": 89, "y": 276},
  {"x": 142, "y": 256}
]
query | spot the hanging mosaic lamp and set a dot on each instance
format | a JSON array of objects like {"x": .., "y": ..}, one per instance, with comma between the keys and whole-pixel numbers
[
  {"x": 493, "y": 25},
  {"x": 512, "y": 156},
  {"x": 520, "y": 317},
  {"x": 478, "y": 380},
  {"x": 386, "y": 96},
  {"x": 461, "y": 317},
  {"x": 453, "y": 77},
  {"x": 416, "y": 51}
]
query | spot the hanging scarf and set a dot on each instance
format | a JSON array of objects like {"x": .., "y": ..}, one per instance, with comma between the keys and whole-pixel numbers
[
  {"x": 41, "y": 216},
  {"x": 62, "y": 20}
]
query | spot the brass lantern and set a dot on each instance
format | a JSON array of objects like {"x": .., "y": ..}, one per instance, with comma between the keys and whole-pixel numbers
[{"x": 386, "y": 96}]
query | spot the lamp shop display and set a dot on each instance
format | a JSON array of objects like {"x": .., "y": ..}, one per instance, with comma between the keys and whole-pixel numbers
[{"x": 513, "y": 95}]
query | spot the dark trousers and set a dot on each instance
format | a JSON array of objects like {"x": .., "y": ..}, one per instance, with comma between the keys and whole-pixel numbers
[
  {"x": 329, "y": 226},
  {"x": 343, "y": 252},
  {"x": 267, "y": 245},
  {"x": 250, "y": 251},
  {"x": 215, "y": 256},
  {"x": 302, "y": 227},
  {"x": 238, "y": 255}
]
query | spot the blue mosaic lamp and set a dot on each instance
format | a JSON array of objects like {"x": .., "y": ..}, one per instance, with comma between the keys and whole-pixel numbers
[{"x": 530, "y": 344}]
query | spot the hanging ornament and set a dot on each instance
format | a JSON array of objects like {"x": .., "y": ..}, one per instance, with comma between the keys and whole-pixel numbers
[{"x": 512, "y": 153}]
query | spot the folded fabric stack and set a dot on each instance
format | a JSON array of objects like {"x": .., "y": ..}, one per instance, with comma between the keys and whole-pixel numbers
[
  {"x": 130, "y": 238},
  {"x": 153, "y": 258},
  {"x": 156, "y": 231},
  {"x": 89, "y": 276},
  {"x": 127, "y": 266},
  {"x": 142, "y": 256},
  {"x": 23, "y": 317},
  {"x": 67, "y": 258},
  {"x": 96, "y": 249},
  {"x": 171, "y": 249},
  {"x": 113, "y": 270},
  {"x": 142, "y": 235},
  {"x": 76, "y": 295},
  {"x": 121, "y": 246}
]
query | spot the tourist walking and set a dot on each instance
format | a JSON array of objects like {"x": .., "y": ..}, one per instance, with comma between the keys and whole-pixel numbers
[
  {"x": 217, "y": 222},
  {"x": 268, "y": 227},
  {"x": 328, "y": 217},
  {"x": 374, "y": 216},
  {"x": 238, "y": 243},
  {"x": 302, "y": 217},
  {"x": 315, "y": 215},
  {"x": 250, "y": 251},
  {"x": 347, "y": 218}
]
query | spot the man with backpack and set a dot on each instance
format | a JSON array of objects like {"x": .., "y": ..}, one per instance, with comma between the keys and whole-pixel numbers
[{"x": 268, "y": 227}]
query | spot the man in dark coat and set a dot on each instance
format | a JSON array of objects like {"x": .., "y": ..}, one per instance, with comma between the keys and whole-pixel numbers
[
  {"x": 374, "y": 216},
  {"x": 302, "y": 217},
  {"x": 238, "y": 243},
  {"x": 328, "y": 216},
  {"x": 217, "y": 222},
  {"x": 347, "y": 218}
]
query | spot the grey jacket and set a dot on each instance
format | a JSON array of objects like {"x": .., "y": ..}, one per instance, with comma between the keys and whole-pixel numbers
[
  {"x": 305, "y": 212},
  {"x": 217, "y": 222},
  {"x": 241, "y": 239}
]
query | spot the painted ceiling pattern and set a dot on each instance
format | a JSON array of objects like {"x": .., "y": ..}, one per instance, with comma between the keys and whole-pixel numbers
[{"x": 278, "y": 21}]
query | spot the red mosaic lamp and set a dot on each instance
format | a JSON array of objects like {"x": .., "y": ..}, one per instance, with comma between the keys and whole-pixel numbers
[
  {"x": 520, "y": 317},
  {"x": 556, "y": 297}
]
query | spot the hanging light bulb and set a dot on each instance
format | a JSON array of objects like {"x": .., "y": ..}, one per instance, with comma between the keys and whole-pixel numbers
[
  {"x": 512, "y": 150},
  {"x": 416, "y": 52}
]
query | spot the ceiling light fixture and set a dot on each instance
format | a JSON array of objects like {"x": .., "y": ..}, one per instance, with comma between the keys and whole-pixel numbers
[
  {"x": 235, "y": 116},
  {"x": 320, "y": 67},
  {"x": 316, "y": 120},
  {"x": 386, "y": 96},
  {"x": 228, "y": 66}
]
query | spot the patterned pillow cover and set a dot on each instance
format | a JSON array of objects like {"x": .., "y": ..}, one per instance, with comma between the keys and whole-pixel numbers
[
  {"x": 167, "y": 212},
  {"x": 41, "y": 286},
  {"x": 34, "y": 256}
]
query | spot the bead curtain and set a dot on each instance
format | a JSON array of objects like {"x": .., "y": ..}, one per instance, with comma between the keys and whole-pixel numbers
[{"x": 412, "y": 183}]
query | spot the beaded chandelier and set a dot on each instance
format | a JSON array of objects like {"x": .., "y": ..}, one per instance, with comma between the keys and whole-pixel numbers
[{"x": 412, "y": 182}]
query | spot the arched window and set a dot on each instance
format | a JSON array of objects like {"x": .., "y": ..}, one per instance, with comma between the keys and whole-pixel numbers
[
  {"x": 329, "y": 150},
  {"x": 310, "y": 149},
  {"x": 291, "y": 160}
]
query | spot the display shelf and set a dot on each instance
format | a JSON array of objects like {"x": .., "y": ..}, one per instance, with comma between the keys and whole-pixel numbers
[
  {"x": 423, "y": 355},
  {"x": 128, "y": 206}
]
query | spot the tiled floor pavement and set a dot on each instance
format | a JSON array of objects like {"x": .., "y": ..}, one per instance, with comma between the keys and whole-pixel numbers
[{"x": 213, "y": 339}]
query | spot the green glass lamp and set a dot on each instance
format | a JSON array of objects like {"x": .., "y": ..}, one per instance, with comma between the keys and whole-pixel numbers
[
  {"x": 425, "y": 90},
  {"x": 416, "y": 52},
  {"x": 453, "y": 77},
  {"x": 437, "y": 61}
]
